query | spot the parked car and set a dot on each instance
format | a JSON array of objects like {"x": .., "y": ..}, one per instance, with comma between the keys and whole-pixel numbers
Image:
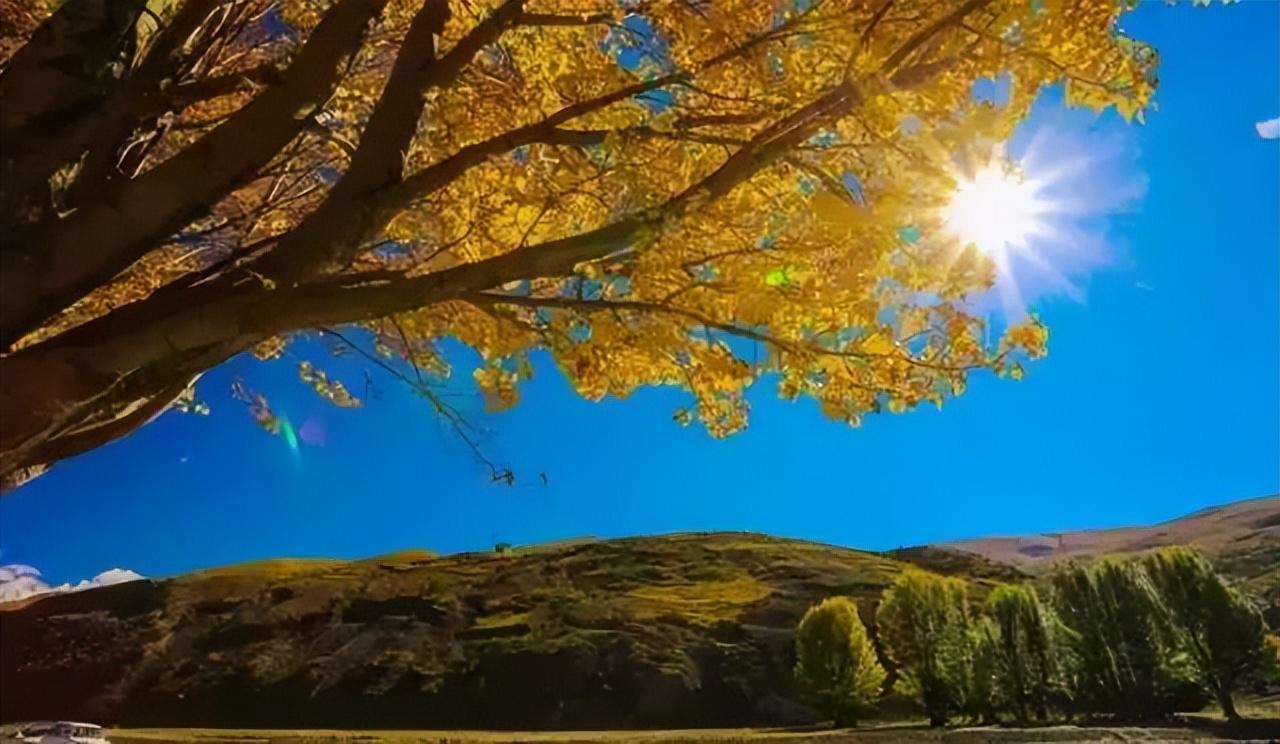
[{"x": 61, "y": 732}]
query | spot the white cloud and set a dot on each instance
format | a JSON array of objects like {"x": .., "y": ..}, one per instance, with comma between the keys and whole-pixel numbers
[
  {"x": 106, "y": 578},
  {"x": 18, "y": 581},
  {"x": 21, "y": 587},
  {"x": 16, "y": 570},
  {"x": 116, "y": 576},
  {"x": 1269, "y": 129}
]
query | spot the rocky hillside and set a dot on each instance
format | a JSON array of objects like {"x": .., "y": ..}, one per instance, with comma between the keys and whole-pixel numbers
[{"x": 682, "y": 630}]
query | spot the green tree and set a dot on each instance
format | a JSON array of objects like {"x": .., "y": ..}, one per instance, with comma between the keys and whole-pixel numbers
[
  {"x": 1024, "y": 651},
  {"x": 923, "y": 622},
  {"x": 1220, "y": 628},
  {"x": 835, "y": 661},
  {"x": 982, "y": 696},
  {"x": 1120, "y": 640}
]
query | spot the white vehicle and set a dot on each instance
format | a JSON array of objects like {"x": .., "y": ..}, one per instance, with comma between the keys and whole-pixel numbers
[{"x": 62, "y": 732}]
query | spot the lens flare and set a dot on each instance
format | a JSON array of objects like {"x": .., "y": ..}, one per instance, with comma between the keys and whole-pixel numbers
[
  {"x": 290, "y": 435},
  {"x": 1040, "y": 207},
  {"x": 996, "y": 209}
]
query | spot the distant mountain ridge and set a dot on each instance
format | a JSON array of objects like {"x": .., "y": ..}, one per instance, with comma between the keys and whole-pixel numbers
[
  {"x": 1242, "y": 538},
  {"x": 1220, "y": 531}
]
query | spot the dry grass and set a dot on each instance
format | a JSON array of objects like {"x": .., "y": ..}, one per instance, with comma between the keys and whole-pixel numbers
[{"x": 704, "y": 601}]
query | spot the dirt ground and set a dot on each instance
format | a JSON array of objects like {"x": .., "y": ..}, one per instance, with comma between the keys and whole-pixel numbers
[{"x": 1198, "y": 730}]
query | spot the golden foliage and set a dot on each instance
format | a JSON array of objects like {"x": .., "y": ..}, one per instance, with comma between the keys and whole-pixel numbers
[
  {"x": 332, "y": 390},
  {"x": 824, "y": 267}
]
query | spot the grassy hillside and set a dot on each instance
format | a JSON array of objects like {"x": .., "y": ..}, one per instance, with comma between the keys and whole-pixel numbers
[
  {"x": 681, "y": 630},
  {"x": 689, "y": 630}
]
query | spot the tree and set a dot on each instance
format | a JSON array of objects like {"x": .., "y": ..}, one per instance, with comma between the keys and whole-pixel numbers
[
  {"x": 983, "y": 693},
  {"x": 1118, "y": 633},
  {"x": 1023, "y": 640},
  {"x": 1221, "y": 629},
  {"x": 628, "y": 186},
  {"x": 835, "y": 661},
  {"x": 924, "y": 625}
]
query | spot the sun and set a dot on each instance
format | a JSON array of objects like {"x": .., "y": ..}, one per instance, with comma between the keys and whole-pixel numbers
[{"x": 995, "y": 209}]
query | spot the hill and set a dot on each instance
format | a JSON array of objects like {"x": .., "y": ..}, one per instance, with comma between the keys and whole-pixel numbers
[
  {"x": 680, "y": 630},
  {"x": 686, "y": 630},
  {"x": 1242, "y": 539}
]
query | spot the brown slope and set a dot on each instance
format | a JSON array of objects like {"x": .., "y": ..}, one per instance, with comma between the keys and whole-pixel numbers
[
  {"x": 1241, "y": 538},
  {"x": 681, "y": 630},
  {"x": 1232, "y": 532}
]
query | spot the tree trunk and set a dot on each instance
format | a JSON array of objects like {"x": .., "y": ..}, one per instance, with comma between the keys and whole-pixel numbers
[{"x": 1227, "y": 703}]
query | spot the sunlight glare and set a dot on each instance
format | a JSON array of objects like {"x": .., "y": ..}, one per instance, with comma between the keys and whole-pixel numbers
[{"x": 995, "y": 209}]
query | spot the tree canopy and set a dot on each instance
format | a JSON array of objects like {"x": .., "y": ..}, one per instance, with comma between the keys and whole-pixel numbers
[
  {"x": 926, "y": 626},
  {"x": 1221, "y": 628},
  {"x": 836, "y": 663},
  {"x": 643, "y": 189},
  {"x": 1024, "y": 651},
  {"x": 1126, "y": 660}
]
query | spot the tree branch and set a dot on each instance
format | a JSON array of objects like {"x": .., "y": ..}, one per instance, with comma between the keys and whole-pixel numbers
[
  {"x": 53, "y": 264},
  {"x": 925, "y": 34},
  {"x": 551, "y": 19},
  {"x": 207, "y": 89},
  {"x": 363, "y": 218},
  {"x": 591, "y": 137},
  {"x": 332, "y": 233},
  {"x": 99, "y": 132},
  {"x": 62, "y": 67},
  {"x": 216, "y": 313},
  {"x": 83, "y": 440},
  {"x": 490, "y": 299},
  {"x": 105, "y": 358}
]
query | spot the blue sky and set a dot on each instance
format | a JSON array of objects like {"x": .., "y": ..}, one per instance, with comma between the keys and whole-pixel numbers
[{"x": 1161, "y": 395}]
